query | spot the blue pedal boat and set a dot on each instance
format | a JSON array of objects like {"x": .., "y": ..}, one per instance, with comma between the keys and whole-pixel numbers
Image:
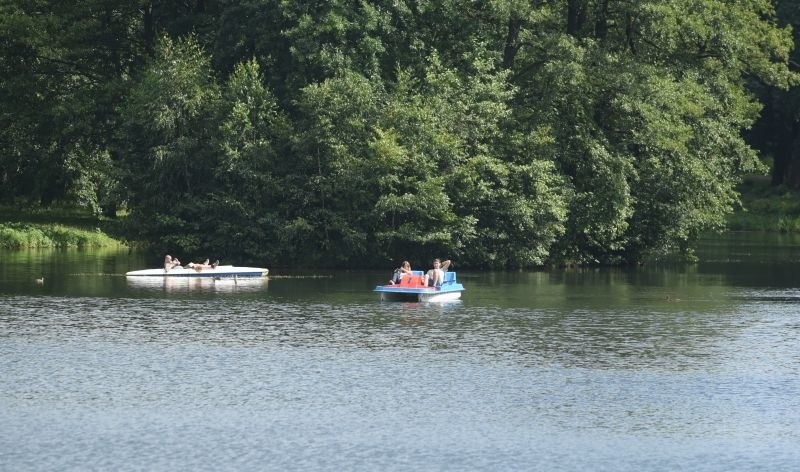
[{"x": 411, "y": 289}]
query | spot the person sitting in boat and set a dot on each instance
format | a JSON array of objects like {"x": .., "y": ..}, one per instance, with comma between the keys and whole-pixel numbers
[
  {"x": 405, "y": 268},
  {"x": 169, "y": 263},
  {"x": 202, "y": 265},
  {"x": 434, "y": 277}
]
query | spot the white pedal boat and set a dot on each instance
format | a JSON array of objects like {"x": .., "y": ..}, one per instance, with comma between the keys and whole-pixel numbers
[{"x": 216, "y": 272}]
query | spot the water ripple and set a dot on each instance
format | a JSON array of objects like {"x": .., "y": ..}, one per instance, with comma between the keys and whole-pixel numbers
[{"x": 244, "y": 383}]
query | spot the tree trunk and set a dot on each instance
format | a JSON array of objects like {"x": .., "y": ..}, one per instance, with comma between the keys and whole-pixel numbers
[
  {"x": 790, "y": 146},
  {"x": 576, "y": 17},
  {"x": 601, "y": 23},
  {"x": 512, "y": 42},
  {"x": 786, "y": 162},
  {"x": 630, "y": 32},
  {"x": 149, "y": 28},
  {"x": 113, "y": 45}
]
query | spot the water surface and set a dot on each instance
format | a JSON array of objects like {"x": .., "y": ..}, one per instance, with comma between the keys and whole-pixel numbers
[{"x": 656, "y": 368}]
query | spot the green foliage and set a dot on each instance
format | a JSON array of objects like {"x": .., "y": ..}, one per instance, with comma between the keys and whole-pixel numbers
[
  {"x": 30, "y": 235},
  {"x": 168, "y": 121},
  {"x": 247, "y": 204},
  {"x": 503, "y": 134},
  {"x": 777, "y": 132},
  {"x": 766, "y": 208},
  {"x": 60, "y": 70},
  {"x": 409, "y": 170},
  {"x": 648, "y": 108}
]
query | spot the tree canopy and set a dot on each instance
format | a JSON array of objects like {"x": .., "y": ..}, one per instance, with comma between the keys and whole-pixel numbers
[{"x": 504, "y": 134}]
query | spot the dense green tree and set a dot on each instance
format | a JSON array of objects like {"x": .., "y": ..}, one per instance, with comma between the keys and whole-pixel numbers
[
  {"x": 247, "y": 204},
  {"x": 506, "y": 134},
  {"x": 420, "y": 169},
  {"x": 777, "y": 132},
  {"x": 646, "y": 102},
  {"x": 65, "y": 67},
  {"x": 168, "y": 123},
  {"x": 59, "y": 68},
  {"x": 333, "y": 185}
]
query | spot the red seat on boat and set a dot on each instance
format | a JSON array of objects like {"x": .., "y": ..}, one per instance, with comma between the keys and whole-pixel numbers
[{"x": 411, "y": 280}]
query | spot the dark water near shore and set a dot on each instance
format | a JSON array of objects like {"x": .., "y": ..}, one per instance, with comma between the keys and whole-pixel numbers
[{"x": 662, "y": 367}]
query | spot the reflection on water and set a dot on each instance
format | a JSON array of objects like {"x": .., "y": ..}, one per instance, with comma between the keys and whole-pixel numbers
[{"x": 654, "y": 368}]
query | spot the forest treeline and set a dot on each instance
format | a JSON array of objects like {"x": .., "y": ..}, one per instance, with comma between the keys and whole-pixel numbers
[{"x": 498, "y": 133}]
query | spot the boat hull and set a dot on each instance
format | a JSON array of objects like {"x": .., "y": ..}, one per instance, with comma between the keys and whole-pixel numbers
[
  {"x": 428, "y": 296},
  {"x": 217, "y": 272}
]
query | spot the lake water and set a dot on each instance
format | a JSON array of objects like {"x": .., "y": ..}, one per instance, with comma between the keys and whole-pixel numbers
[{"x": 662, "y": 367}]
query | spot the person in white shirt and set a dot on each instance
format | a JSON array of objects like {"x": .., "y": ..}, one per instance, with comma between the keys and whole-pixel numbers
[
  {"x": 435, "y": 276},
  {"x": 170, "y": 262}
]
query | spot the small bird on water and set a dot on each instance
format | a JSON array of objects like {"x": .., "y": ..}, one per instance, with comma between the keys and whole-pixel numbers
[{"x": 40, "y": 281}]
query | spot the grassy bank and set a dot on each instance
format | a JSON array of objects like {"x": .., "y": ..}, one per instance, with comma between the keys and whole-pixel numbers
[
  {"x": 55, "y": 228},
  {"x": 766, "y": 208}
]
